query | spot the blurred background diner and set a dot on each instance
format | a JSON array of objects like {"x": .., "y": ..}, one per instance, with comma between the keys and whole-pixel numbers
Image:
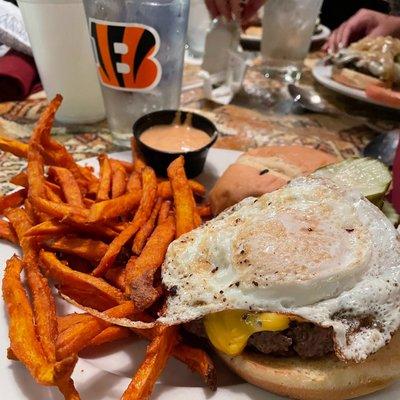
[{"x": 268, "y": 72}]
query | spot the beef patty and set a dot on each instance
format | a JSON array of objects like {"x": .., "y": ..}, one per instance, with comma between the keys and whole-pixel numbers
[{"x": 303, "y": 339}]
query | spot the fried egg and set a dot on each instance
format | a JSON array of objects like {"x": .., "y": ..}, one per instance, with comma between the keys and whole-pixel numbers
[{"x": 312, "y": 249}]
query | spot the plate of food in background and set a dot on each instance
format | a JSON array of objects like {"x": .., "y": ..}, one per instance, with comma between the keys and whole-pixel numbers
[{"x": 368, "y": 70}]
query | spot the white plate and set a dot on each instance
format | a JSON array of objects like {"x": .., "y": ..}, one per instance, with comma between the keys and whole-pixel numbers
[
  {"x": 105, "y": 374},
  {"x": 323, "y": 74},
  {"x": 324, "y": 34}
]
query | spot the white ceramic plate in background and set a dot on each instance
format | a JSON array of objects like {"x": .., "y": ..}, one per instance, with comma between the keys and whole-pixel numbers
[{"x": 323, "y": 74}]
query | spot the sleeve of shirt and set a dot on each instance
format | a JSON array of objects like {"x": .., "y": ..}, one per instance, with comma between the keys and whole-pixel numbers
[{"x": 394, "y": 7}]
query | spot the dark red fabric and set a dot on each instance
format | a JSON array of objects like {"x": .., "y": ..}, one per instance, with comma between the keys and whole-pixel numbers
[
  {"x": 18, "y": 76},
  {"x": 395, "y": 196}
]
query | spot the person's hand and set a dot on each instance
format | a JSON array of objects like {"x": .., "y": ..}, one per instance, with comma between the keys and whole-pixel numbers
[
  {"x": 364, "y": 23},
  {"x": 240, "y": 10}
]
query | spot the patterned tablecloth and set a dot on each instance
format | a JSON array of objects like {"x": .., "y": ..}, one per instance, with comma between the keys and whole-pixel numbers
[{"x": 261, "y": 114}]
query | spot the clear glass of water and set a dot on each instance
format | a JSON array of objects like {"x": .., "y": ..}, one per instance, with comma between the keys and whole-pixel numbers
[
  {"x": 199, "y": 23},
  {"x": 288, "y": 26},
  {"x": 139, "y": 47}
]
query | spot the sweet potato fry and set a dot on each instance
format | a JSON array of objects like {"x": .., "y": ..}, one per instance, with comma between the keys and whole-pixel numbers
[
  {"x": 43, "y": 302},
  {"x": 51, "y": 195},
  {"x": 64, "y": 368},
  {"x": 46, "y": 119},
  {"x": 109, "y": 209},
  {"x": 139, "y": 274},
  {"x": 67, "y": 321},
  {"x": 48, "y": 228},
  {"x": 62, "y": 211},
  {"x": 146, "y": 230},
  {"x": 164, "y": 211},
  {"x": 119, "y": 179},
  {"x": 96, "y": 230},
  {"x": 35, "y": 171},
  {"x": 137, "y": 157},
  {"x": 134, "y": 183},
  {"x": 103, "y": 192},
  {"x": 93, "y": 182},
  {"x": 183, "y": 197},
  {"x": 55, "y": 228},
  {"x": 88, "y": 202},
  {"x": 128, "y": 167},
  {"x": 165, "y": 190},
  {"x": 12, "y": 146},
  {"x": 6, "y": 232},
  {"x": 56, "y": 154},
  {"x": 30, "y": 211},
  {"x": 21, "y": 179},
  {"x": 55, "y": 188},
  {"x": 157, "y": 354},
  {"x": 118, "y": 226},
  {"x": 67, "y": 388},
  {"x": 20, "y": 221},
  {"x": 110, "y": 334},
  {"x": 85, "y": 289},
  {"x": 197, "y": 360},
  {"x": 116, "y": 276},
  {"x": 62, "y": 372},
  {"x": 88, "y": 249},
  {"x": 12, "y": 200},
  {"x": 24, "y": 343},
  {"x": 204, "y": 211},
  {"x": 143, "y": 213},
  {"x": 74, "y": 340},
  {"x": 68, "y": 185}
]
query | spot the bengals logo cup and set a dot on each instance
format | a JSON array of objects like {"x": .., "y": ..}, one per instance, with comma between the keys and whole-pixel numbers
[{"x": 125, "y": 55}]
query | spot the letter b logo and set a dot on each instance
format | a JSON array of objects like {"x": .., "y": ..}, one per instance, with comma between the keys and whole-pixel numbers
[{"x": 125, "y": 55}]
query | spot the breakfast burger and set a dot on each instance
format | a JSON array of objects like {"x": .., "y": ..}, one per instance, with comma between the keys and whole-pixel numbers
[{"x": 297, "y": 290}]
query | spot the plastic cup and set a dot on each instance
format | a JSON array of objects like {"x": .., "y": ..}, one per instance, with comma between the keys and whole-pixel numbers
[
  {"x": 139, "y": 49},
  {"x": 59, "y": 37}
]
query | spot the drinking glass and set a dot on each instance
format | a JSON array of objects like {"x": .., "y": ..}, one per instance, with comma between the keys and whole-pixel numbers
[
  {"x": 139, "y": 48},
  {"x": 288, "y": 26},
  {"x": 199, "y": 23},
  {"x": 60, "y": 44}
]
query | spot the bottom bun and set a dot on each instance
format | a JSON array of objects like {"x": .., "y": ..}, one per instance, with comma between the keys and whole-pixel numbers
[{"x": 322, "y": 379}]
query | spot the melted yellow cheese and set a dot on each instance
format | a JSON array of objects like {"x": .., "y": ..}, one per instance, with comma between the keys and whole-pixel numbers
[{"x": 229, "y": 331}]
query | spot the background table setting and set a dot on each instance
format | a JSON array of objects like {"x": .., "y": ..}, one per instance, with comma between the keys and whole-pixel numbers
[{"x": 267, "y": 117}]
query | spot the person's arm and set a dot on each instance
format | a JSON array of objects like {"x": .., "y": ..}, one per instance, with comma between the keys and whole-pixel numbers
[
  {"x": 240, "y": 10},
  {"x": 364, "y": 23}
]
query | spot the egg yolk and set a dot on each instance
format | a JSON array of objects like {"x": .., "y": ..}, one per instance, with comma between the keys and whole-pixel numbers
[{"x": 230, "y": 330}]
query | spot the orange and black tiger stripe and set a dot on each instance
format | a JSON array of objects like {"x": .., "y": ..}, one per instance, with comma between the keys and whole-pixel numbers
[{"x": 124, "y": 55}]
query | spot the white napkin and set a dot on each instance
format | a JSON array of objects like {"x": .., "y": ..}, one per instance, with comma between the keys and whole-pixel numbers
[{"x": 12, "y": 30}]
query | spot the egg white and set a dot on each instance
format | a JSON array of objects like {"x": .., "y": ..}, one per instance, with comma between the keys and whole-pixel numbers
[{"x": 312, "y": 249}]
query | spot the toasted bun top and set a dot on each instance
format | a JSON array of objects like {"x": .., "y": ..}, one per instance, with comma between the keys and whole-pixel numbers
[{"x": 264, "y": 170}]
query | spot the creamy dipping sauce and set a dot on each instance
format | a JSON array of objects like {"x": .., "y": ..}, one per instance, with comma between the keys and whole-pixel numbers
[{"x": 175, "y": 138}]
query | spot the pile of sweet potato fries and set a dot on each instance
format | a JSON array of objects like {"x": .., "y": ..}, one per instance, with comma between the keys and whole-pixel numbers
[{"x": 101, "y": 241}]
